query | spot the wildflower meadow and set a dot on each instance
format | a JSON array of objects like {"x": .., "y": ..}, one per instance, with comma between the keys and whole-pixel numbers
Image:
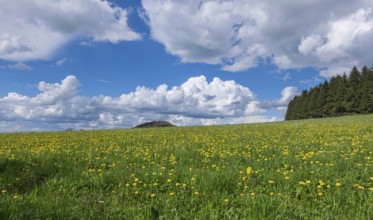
[{"x": 306, "y": 169}]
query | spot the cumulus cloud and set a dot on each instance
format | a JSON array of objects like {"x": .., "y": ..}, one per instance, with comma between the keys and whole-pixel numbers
[
  {"x": 195, "y": 102},
  {"x": 239, "y": 34},
  {"x": 287, "y": 94},
  {"x": 36, "y": 29}
]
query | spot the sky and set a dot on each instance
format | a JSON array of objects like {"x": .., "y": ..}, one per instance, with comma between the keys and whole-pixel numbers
[{"x": 103, "y": 64}]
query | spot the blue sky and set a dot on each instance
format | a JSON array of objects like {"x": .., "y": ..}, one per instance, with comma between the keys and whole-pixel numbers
[{"x": 114, "y": 64}]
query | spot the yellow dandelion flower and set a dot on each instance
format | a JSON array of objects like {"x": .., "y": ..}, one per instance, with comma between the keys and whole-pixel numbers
[
  {"x": 171, "y": 193},
  {"x": 249, "y": 170},
  {"x": 196, "y": 193},
  {"x": 338, "y": 184},
  {"x": 226, "y": 200},
  {"x": 320, "y": 194},
  {"x": 152, "y": 195}
]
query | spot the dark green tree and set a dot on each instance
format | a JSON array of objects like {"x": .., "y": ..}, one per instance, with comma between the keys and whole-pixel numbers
[
  {"x": 353, "y": 91},
  {"x": 340, "y": 96}
]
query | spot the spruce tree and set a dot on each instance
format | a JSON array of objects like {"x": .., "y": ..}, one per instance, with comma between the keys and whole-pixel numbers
[{"x": 342, "y": 95}]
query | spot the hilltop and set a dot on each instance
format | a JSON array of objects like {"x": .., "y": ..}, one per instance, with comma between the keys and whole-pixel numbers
[{"x": 154, "y": 124}]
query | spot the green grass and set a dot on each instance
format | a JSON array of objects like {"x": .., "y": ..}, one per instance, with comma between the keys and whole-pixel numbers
[{"x": 308, "y": 169}]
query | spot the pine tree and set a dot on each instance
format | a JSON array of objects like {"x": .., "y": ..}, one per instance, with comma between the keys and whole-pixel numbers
[
  {"x": 322, "y": 99},
  {"x": 342, "y": 95},
  {"x": 353, "y": 91}
]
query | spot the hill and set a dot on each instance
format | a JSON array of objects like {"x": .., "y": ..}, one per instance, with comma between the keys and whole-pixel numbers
[{"x": 154, "y": 124}]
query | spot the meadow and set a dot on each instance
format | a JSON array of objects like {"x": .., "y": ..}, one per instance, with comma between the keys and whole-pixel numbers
[{"x": 306, "y": 169}]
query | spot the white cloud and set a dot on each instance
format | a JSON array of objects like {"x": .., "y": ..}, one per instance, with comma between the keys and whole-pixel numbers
[
  {"x": 195, "y": 102},
  {"x": 36, "y": 29},
  {"x": 237, "y": 34},
  {"x": 287, "y": 94},
  {"x": 20, "y": 66},
  {"x": 61, "y": 61},
  {"x": 286, "y": 77}
]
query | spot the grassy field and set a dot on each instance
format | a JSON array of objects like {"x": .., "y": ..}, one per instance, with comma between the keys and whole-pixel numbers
[{"x": 309, "y": 169}]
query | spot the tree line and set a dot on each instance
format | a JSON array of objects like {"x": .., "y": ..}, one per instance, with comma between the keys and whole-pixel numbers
[{"x": 341, "y": 95}]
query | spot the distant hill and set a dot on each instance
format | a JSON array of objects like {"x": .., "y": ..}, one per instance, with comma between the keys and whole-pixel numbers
[
  {"x": 155, "y": 124},
  {"x": 341, "y": 95}
]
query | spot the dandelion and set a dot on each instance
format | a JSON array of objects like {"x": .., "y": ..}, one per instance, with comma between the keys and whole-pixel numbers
[
  {"x": 196, "y": 193},
  {"x": 338, "y": 184},
  {"x": 3, "y": 191},
  {"x": 152, "y": 195},
  {"x": 171, "y": 193},
  {"x": 249, "y": 170},
  {"x": 226, "y": 200},
  {"x": 320, "y": 194}
]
